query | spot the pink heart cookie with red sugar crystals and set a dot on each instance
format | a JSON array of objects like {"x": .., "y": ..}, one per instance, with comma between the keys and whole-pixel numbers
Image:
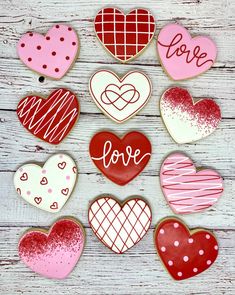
[
  {"x": 184, "y": 253},
  {"x": 53, "y": 254},
  {"x": 186, "y": 189},
  {"x": 51, "y": 55},
  {"x": 119, "y": 226},
  {"x": 181, "y": 55},
  {"x": 124, "y": 36},
  {"x": 186, "y": 120}
]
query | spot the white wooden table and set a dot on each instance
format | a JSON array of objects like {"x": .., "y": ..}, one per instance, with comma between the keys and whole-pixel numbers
[{"x": 99, "y": 271}]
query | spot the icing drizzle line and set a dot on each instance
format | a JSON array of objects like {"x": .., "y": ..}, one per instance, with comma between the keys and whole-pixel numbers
[
  {"x": 52, "y": 116},
  {"x": 187, "y": 190}
]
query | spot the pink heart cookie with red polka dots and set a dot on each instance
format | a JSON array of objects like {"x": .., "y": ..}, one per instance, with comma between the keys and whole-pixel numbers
[
  {"x": 53, "y": 254},
  {"x": 184, "y": 253},
  {"x": 48, "y": 187},
  {"x": 51, "y": 55}
]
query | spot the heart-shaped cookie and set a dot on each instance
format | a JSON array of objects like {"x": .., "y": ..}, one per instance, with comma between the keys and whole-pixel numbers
[
  {"x": 184, "y": 253},
  {"x": 120, "y": 99},
  {"x": 120, "y": 159},
  {"x": 49, "y": 119},
  {"x": 119, "y": 226},
  {"x": 53, "y": 254},
  {"x": 124, "y": 36},
  {"x": 51, "y": 55},
  {"x": 47, "y": 187},
  {"x": 181, "y": 55},
  {"x": 188, "y": 121},
  {"x": 186, "y": 189}
]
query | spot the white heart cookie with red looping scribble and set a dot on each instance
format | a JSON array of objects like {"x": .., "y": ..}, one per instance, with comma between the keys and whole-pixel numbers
[
  {"x": 120, "y": 98},
  {"x": 48, "y": 187}
]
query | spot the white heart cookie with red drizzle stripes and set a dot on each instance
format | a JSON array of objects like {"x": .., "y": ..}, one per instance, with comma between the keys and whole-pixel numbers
[
  {"x": 120, "y": 98},
  {"x": 48, "y": 187},
  {"x": 186, "y": 189},
  {"x": 119, "y": 226}
]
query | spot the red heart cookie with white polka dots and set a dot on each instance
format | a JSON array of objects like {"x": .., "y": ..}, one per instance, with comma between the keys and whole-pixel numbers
[
  {"x": 48, "y": 187},
  {"x": 51, "y": 55},
  {"x": 184, "y": 253}
]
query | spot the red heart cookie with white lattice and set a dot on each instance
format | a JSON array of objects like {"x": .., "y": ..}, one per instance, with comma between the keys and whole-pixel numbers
[
  {"x": 120, "y": 159},
  {"x": 124, "y": 36},
  {"x": 48, "y": 187},
  {"x": 184, "y": 253},
  {"x": 49, "y": 119},
  {"x": 188, "y": 120},
  {"x": 119, "y": 226},
  {"x": 53, "y": 254},
  {"x": 51, "y": 55},
  {"x": 187, "y": 189},
  {"x": 120, "y": 98}
]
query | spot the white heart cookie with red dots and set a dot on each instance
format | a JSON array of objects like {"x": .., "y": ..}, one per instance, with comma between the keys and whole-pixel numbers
[
  {"x": 120, "y": 98},
  {"x": 48, "y": 187},
  {"x": 51, "y": 55}
]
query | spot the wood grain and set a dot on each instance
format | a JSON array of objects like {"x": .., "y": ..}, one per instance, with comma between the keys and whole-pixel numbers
[{"x": 100, "y": 271}]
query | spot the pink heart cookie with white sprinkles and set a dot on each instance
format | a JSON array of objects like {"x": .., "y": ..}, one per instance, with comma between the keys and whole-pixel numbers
[
  {"x": 53, "y": 254},
  {"x": 182, "y": 56},
  {"x": 186, "y": 189},
  {"x": 51, "y": 55}
]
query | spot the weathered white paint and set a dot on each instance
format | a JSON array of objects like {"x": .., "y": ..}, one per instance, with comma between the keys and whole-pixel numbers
[{"x": 100, "y": 271}]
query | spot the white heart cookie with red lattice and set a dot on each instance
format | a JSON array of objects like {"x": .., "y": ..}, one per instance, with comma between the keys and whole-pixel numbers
[
  {"x": 120, "y": 98},
  {"x": 119, "y": 226},
  {"x": 47, "y": 187}
]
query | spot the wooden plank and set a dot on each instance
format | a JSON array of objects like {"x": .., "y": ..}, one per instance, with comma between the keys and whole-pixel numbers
[
  {"x": 76, "y": 144},
  {"x": 100, "y": 271},
  {"x": 15, "y": 211},
  {"x": 18, "y": 82}
]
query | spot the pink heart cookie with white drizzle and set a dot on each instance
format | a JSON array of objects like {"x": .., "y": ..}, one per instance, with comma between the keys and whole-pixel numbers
[
  {"x": 186, "y": 189},
  {"x": 181, "y": 55},
  {"x": 53, "y": 254},
  {"x": 51, "y": 55}
]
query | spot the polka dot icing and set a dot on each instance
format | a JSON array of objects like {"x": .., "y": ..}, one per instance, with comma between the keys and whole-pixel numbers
[
  {"x": 188, "y": 253},
  {"x": 57, "y": 50}
]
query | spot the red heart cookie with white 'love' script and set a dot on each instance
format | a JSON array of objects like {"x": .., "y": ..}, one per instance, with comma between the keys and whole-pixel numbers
[
  {"x": 124, "y": 36},
  {"x": 119, "y": 226},
  {"x": 184, "y": 253},
  {"x": 186, "y": 189},
  {"x": 48, "y": 187},
  {"x": 53, "y": 254},
  {"x": 181, "y": 55},
  {"x": 120, "y": 98},
  {"x": 188, "y": 121},
  {"x": 49, "y": 119},
  {"x": 51, "y": 55},
  {"x": 120, "y": 159}
]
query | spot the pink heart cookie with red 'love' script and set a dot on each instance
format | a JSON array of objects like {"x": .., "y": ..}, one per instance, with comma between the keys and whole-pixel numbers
[
  {"x": 184, "y": 253},
  {"x": 53, "y": 254},
  {"x": 49, "y": 119},
  {"x": 186, "y": 189},
  {"x": 186, "y": 120},
  {"x": 120, "y": 159},
  {"x": 51, "y": 55},
  {"x": 181, "y": 55},
  {"x": 124, "y": 36},
  {"x": 119, "y": 226}
]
